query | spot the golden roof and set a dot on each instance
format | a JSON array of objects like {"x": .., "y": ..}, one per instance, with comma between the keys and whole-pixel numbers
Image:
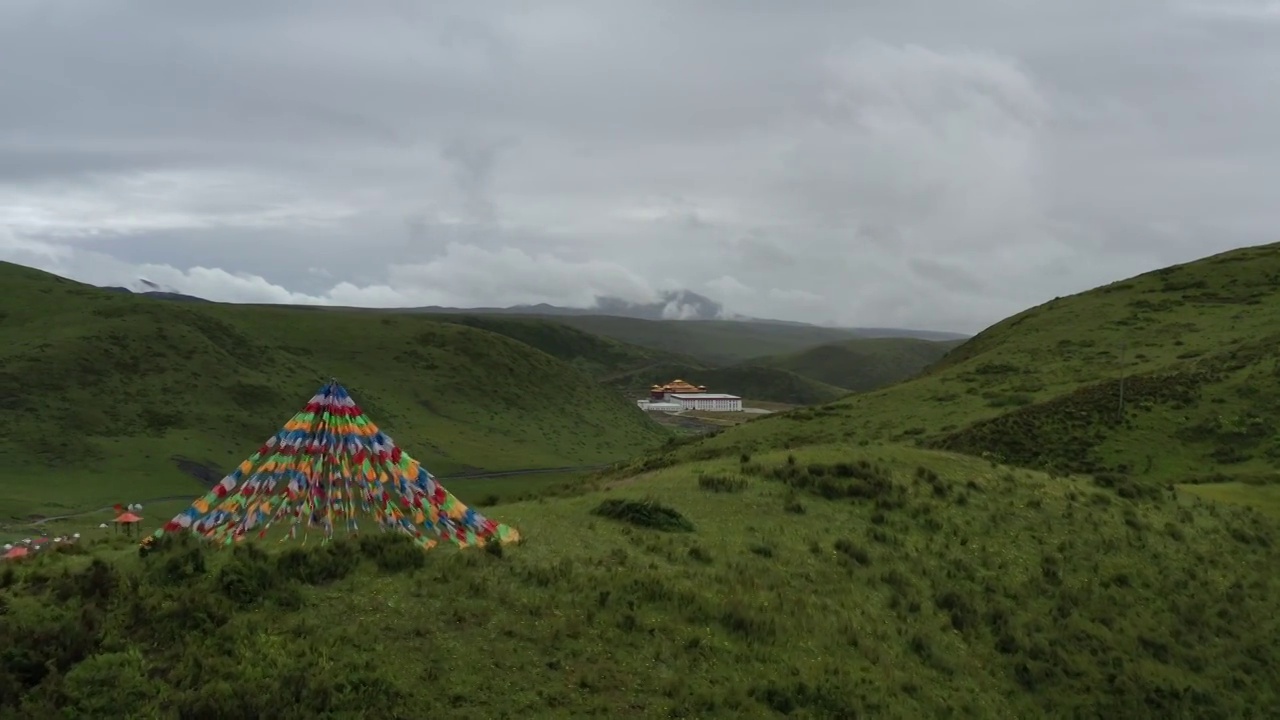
[{"x": 681, "y": 386}]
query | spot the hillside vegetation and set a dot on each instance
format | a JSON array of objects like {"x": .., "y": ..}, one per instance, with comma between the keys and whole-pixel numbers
[
  {"x": 829, "y": 583},
  {"x": 595, "y": 355},
  {"x": 633, "y": 369},
  {"x": 631, "y": 354},
  {"x": 104, "y": 390},
  {"x": 863, "y": 364},
  {"x": 814, "y": 376},
  {"x": 1192, "y": 352},
  {"x": 711, "y": 342}
]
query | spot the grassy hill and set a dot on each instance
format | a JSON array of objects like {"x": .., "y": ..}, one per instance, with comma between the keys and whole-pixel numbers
[
  {"x": 754, "y": 382},
  {"x": 103, "y": 390},
  {"x": 595, "y": 355},
  {"x": 671, "y": 349},
  {"x": 828, "y": 582},
  {"x": 818, "y": 563},
  {"x": 633, "y": 369},
  {"x": 862, "y": 364},
  {"x": 1193, "y": 350},
  {"x": 712, "y": 342},
  {"x": 626, "y": 351}
]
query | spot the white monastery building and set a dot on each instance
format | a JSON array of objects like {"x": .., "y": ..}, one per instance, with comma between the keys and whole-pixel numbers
[
  {"x": 708, "y": 401},
  {"x": 679, "y": 395}
]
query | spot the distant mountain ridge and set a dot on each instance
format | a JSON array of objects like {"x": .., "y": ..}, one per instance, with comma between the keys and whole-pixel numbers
[
  {"x": 673, "y": 305},
  {"x": 150, "y": 289}
]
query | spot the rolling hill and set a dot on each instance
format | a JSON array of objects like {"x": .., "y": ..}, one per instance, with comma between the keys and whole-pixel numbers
[
  {"x": 856, "y": 559},
  {"x": 866, "y": 363},
  {"x": 105, "y": 389},
  {"x": 863, "y": 364},
  {"x": 632, "y": 369},
  {"x": 711, "y": 342},
  {"x": 596, "y": 355},
  {"x": 628, "y": 351},
  {"x": 1168, "y": 377},
  {"x": 825, "y": 582}
]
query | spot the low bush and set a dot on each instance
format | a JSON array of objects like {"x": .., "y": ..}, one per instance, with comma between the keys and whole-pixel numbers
[
  {"x": 722, "y": 483},
  {"x": 644, "y": 513},
  {"x": 170, "y": 638}
]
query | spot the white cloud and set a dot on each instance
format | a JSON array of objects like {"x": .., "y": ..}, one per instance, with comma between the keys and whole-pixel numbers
[
  {"x": 729, "y": 288},
  {"x": 463, "y": 276},
  {"x": 886, "y": 164}
]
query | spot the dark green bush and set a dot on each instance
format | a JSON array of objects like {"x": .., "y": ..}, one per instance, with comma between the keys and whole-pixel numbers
[
  {"x": 320, "y": 566},
  {"x": 166, "y": 639},
  {"x": 722, "y": 483},
  {"x": 392, "y": 552},
  {"x": 644, "y": 513}
]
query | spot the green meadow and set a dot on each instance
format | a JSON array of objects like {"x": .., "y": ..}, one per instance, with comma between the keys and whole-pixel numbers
[{"x": 1073, "y": 514}]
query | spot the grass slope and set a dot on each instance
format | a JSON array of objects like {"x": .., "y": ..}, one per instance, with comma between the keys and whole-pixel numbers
[
  {"x": 712, "y": 342},
  {"x": 1199, "y": 348},
  {"x": 877, "y": 582},
  {"x": 595, "y": 355},
  {"x": 754, "y": 382},
  {"x": 633, "y": 369},
  {"x": 863, "y": 364},
  {"x": 102, "y": 389}
]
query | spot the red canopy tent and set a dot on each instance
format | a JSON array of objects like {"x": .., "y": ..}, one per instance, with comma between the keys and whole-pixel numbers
[
  {"x": 128, "y": 520},
  {"x": 15, "y": 553}
]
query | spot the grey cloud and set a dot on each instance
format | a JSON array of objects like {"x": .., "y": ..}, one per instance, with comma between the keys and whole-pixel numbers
[
  {"x": 756, "y": 251},
  {"x": 948, "y": 276},
  {"x": 887, "y": 162}
]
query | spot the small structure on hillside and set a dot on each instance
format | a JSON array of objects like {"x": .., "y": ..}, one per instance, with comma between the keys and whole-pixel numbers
[
  {"x": 127, "y": 521},
  {"x": 15, "y": 553}
]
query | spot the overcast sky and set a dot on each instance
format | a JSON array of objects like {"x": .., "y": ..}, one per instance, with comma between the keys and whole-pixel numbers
[{"x": 934, "y": 164}]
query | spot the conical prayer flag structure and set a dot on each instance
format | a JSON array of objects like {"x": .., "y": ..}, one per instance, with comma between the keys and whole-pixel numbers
[{"x": 322, "y": 469}]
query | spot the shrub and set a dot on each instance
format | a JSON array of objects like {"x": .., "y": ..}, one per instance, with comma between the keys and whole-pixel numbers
[
  {"x": 318, "y": 566},
  {"x": 722, "y": 483},
  {"x": 248, "y": 577},
  {"x": 852, "y": 551},
  {"x": 392, "y": 552},
  {"x": 794, "y": 506},
  {"x": 644, "y": 513},
  {"x": 844, "y": 480}
]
